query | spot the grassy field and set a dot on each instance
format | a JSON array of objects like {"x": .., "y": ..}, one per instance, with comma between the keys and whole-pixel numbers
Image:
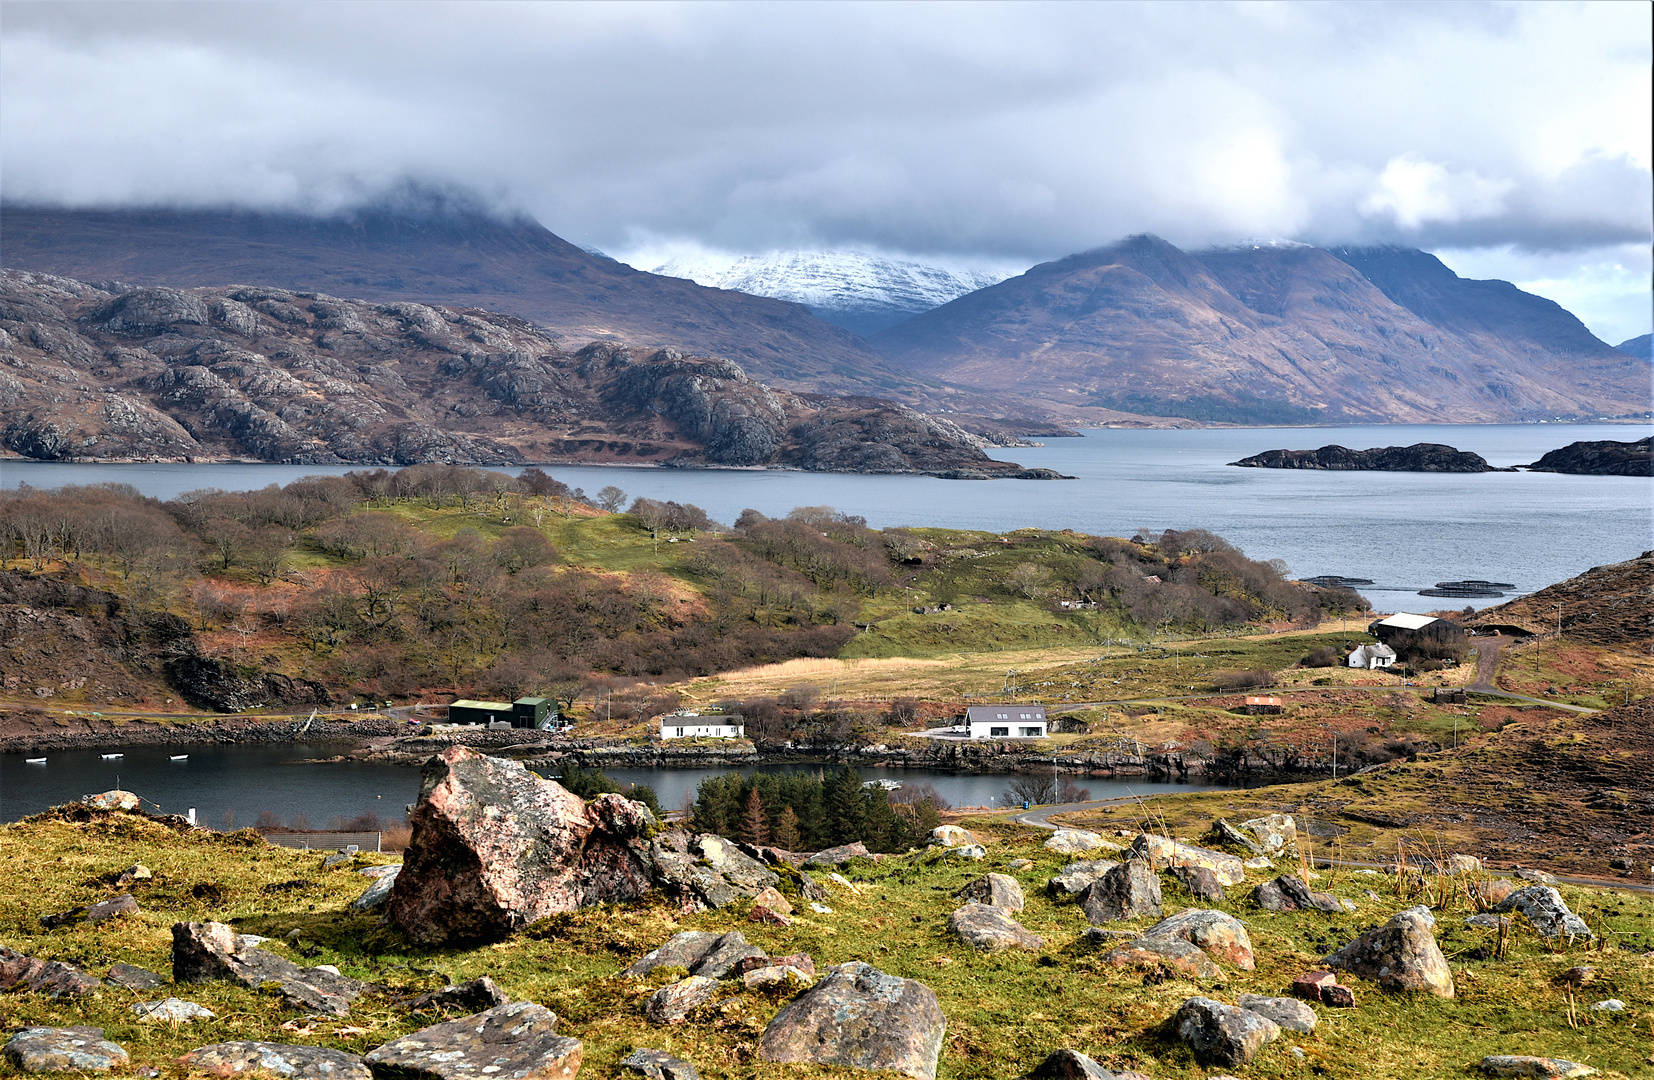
[{"x": 1005, "y": 1012}]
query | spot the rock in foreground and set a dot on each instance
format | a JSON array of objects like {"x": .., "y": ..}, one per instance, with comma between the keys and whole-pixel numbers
[
  {"x": 1544, "y": 907},
  {"x": 204, "y": 952},
  {"x": 1289, "y": 893},
  {"x": 1222, "y": 1034},
  {"x": 1163, "y": 853},
  {"x": 1073, "y": 1065},
  {"x": 999, "y": 890},
  {"x": 1524, "y": 1065},
  {"x": 76, "y": 1049},
  {"x": 659, "y": 1065},
  {"x": 990, "y": 928},
  {"x": 861, "y": 1018},
  {"x": 1400, "y": 955},
  {"x": 1128, "y": 891},
  {"x": 518, "y": 1040},
  {"x": 280, "y": 1059},
  {"x": 1217, "y": 934},
  {"x": 495, "y": 848},
  {"x": 50, "y": 977}
]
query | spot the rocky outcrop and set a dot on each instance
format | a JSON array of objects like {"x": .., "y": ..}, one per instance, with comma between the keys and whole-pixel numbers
[
  {"x": 75, "y": 1049},
  {"x": 1216, "y": 933},
  {"x": 1222, "y": 1034},
  {"x": 659, "y": 1065},
  {"x": 1077, "y": 877},
  {"x": 857, "y": 1016},
  {"x": 1547, "y": 911},
  {"x": 989, "y": 928},
  {"x": 207, "y": 952},
  {"x": 1400, "y": 955},
  {"x": 1604, "y": 458},
  {"x": 672, "y": 1003},
  {"x": 1289, "y": 1013},
  {"x": 1420, "y": 457},
  {"x": 1130, "y": 890},
  {"x": 279, "y": 1059},
  {"x": 519, "y": 1039},
  {"x": 1163, "y": 853},
  {"x": 998, "y": 890},
  {"x": 1163, "y": 955},
  {"x": 495, "y": 848},
  {"x": 1289, "y": 893},
  {"x": 50, "y": 977}
]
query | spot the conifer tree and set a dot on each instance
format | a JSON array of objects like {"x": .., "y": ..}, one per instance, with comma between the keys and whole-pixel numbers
[
  {"x": 787, "y": 837},
  {"x": 755, "y": 827}
]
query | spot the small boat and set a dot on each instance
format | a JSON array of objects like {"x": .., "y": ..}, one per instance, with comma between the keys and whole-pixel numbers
[
  {"x": 179, "y": 757},
  {"x": 112, "y": 757},
  {"x": 34, "y": 761}
]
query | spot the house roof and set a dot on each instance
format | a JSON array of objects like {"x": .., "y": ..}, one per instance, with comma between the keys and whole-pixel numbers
[
  {"x": 491, "y": 706},
  {"x": 984, "y": 713},
  {"x": 1403, "y": 620},
  {"x": 1255, "y": 699}
]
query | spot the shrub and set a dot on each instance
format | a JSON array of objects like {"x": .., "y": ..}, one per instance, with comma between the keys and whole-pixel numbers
[
  {"x": 1325, "y": 656},
  {"x": 1238, "y": 680}
]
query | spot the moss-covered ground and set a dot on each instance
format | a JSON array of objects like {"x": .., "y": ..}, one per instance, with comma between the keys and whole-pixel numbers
[{"x": 1005, "y": 1011}]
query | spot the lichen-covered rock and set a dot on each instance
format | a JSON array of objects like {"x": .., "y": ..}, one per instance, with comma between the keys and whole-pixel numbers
[
  {"x": 1128, "y": 891},
  {"x": 495, "y": 848},
  {"x": 278, "y": 1059},
  {"x": 145, "y": 310},
  {"x": 674, "y": 1001},
  {"x": 102, "y": 911},
  {"x": 1276, "y": 834},
  {"x": 1400, "y": 955},
  {"x": 998, "y": 890},
  {"x": 836, "y": 856},
  {"x": 133, "y": 977},
  {"x": 205, "y": 952},
  {"x": 174, "y": 1010},
  {"x": 659, "y": 1065},
  {"x": 114, "y": 799},
  {"x": 517, "y": 1040},
  {"x": 744, "y": 873},
  {"x": 801, "y": 961},
  {"x": 858, "y": 1016},
  {"x": 1077, "y": 877},
  {"x": 990, "y": 928},
  {"x": 1526, "y": 1065},
  {"x": 378, "y": 894},
  {"x": 1289, "y": 893},
  {"x": 1201, "y": 882},
  {"x": 1229, "y": 836},
  {"x": 1222, "y": 1034},
  {"x": 684, "y": 950},
  {"x": 949, "y": 836},
  {"x": 1217, "y": 934},
  {"x": 1289, "y": 1013},
  {"x": 478, "y": 995},
  {"x": 50, "y": 977},
  {"x": 1546, "y": 910},
  {"x": 75, "y": 1049},
  {"x": 1165, "y": 953},
  {"x": 729, "y": 950},
  {"x": 1163, "y": 854},
  {"x": 1073, "y": 1065},
  {"x": 768, "y": 897},
  {"x": 783, "y": 978},
  {"x": 1078, "y": 842}
]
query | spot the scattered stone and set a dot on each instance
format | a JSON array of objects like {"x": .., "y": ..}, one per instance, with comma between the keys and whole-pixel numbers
[
  {"x": 659, "y": 1065},
  {"x": 1323, "y": 986},
  {"x": 745, "y": 874},
  {"x": 808, "y": 889},
  {"x": 801, "y": 961},
  {"x": 290, "y": 1062},
  {"x": 1492, "y": 891},
  {"x": 770, "y": 898},
  {"x": 102, "y": 911},
  {"x": 204, "y": 952},
  {"x": 969, "y": 851},
  {"x": 1179, "y": 956},
  {"x": 1262, "y": 862},
  {"x": 1485, "y": 921},
  {"x": 378, "y": 894},
  {"x": 1276, "y": 834},
  {"x": 1289, "y": 893},
  {"x": 1461, "y": 864},
  {"x": 379, "y": 871},
  {"x": 673, "y": 1002},
  {"x": 1128, "y": 891},
  {"x": 1611, "y": 1005},
  {"x": 1224, "y": 833},
  {"x": 114, "y": 799},
  {"x": 496, "y": 848},
  {"x": 1019, "y": 864},
  {"x": 133, "y": 977},
  {"x": 1078, "y": 842},
  {"x": 821, "y": 909},
  {"x": 862, "y": 1018},
  {"x": 1400, "y": 955},
  {"x": 780, "y": 978},
  {"x": 683, "y": 950},
  {"x": 1073, "y": 1065},
  {"x": 336, "y": 858},
  {"x": 136, "y": 872},
  {"x": 1077, "y": 877},
  {"x": 249, "y": 941},
  {"x": 839, "y": 879},
  {"x": 1201, "y": 882},
  {"x": 1222, "y": 1034},
  {"x": 1538, "y": 877},
  {"x": 726, "y": 952},
  {"x": 837, "y": 856},
  {"x": 762, "y": 914},
  {"x": 1523, "y": 1065},
  {"x": 519, "y": 1039},
  {"x": 1578, "y": 976},
  {"x": 697, "y": 887},
  {"x": 50, "y": 977},
  {"x": 998, "y": 890},
  {"x": 76, "y": 1049},
  {"x": 1217, "y": 934},
  {"x": 989, "y": 928},
  {"x": 1289, "y": 1013},
  {"x": 175, "y": 1009},
  {"x": 1163, "y": 853},
  {"x": 1545, "y": 909},
  {"x": 1098, "y": 935},
  {"x": 949, "y": 836},
  {"x": 478, "y": 995}
]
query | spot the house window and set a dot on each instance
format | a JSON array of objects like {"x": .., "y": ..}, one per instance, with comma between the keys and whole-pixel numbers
[
  {"x": 680, "y": 733},
  {"x": 999, "y": 733},
  {"x": 1003, "y": 716},
  {"x": 1032, "y": 730}
]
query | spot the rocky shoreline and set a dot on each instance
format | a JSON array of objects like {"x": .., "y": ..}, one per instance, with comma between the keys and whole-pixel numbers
[
  {"x": 31, "y": 734},
  {"x": 1420, "y": 457}
]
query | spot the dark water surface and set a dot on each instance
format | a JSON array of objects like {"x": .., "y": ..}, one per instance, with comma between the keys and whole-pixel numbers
[
  {"x": 245, "y": 780},
  {"x": 1405, "y": 531}
]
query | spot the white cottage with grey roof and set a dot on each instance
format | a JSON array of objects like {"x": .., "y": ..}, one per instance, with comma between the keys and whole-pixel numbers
[{"x": 1005, "y": 721}]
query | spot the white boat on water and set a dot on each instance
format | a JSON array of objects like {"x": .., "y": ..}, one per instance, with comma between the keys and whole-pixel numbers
[
  {"x": 179, "y": 757},
  {"x": 112, "y": 757},
  {"x": 34, "y": 761}
]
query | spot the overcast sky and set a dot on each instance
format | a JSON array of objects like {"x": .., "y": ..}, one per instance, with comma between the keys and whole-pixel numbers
[{"x": 1512, "y": 139}]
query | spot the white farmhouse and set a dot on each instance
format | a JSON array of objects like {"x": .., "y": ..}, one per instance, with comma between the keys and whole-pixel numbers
[
  {"x": 1372, "y": 656},
  {"x": 692, "y": 725},
  {"x": 1005, "y": 721}
]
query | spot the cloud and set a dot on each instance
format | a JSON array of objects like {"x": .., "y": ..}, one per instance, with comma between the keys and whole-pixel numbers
[{"x": 985, "y": 132}]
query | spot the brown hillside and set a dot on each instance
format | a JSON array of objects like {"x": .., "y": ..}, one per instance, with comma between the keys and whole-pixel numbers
[{"x": 1606, "y": 605}]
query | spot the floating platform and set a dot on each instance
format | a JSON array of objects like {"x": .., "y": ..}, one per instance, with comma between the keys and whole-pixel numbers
[
  {"x": 1337, "y": 581},
  {"x": 1474, "y": 583},
  {"x": 179, "y": 757},
  {"x": 111, "y": 757},
  {"x": 1463, "y": 593},
  {"x": 34, "y": 761}
]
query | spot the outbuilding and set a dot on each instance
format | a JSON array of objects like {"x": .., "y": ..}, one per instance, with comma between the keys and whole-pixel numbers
[
  {"x": 1005, "y": 722},
  {"x": 1400, "y": 621},
  {"x": 525, "y": 712},
  {"x": 692, "y": 725}
]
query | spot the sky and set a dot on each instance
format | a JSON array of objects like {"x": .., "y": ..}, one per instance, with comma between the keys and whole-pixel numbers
[{"x": 1511, "y": 139}]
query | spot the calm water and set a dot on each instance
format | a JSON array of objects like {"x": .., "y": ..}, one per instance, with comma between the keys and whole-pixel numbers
[
  {"x": 246, "y": 780},
  {"x": 1405, "y": 531}
]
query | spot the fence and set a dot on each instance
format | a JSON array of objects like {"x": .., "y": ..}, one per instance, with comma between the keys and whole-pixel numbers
[{"x": 326, "y": 841}]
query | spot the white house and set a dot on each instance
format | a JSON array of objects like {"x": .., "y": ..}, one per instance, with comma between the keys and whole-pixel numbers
[
  {"x": 1372, "y": 656},
  {"x": 1005, "y": 721},
  {"x": 692, "y": 725}
]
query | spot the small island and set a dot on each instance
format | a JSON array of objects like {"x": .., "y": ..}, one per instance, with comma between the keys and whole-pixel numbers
[
  {"x": 1605, "y": 458},
  {"x": 1420, "y": 457}
]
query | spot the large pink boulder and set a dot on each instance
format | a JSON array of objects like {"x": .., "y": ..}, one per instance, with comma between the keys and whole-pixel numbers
[{"x": 495, "y": 848}]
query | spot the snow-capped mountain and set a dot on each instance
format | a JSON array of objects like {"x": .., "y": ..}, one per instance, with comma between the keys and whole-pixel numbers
[{"x": 861, "y": 292}]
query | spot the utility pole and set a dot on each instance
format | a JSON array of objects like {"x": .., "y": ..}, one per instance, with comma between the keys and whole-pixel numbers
[{"x": 1559, "y": 622}]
